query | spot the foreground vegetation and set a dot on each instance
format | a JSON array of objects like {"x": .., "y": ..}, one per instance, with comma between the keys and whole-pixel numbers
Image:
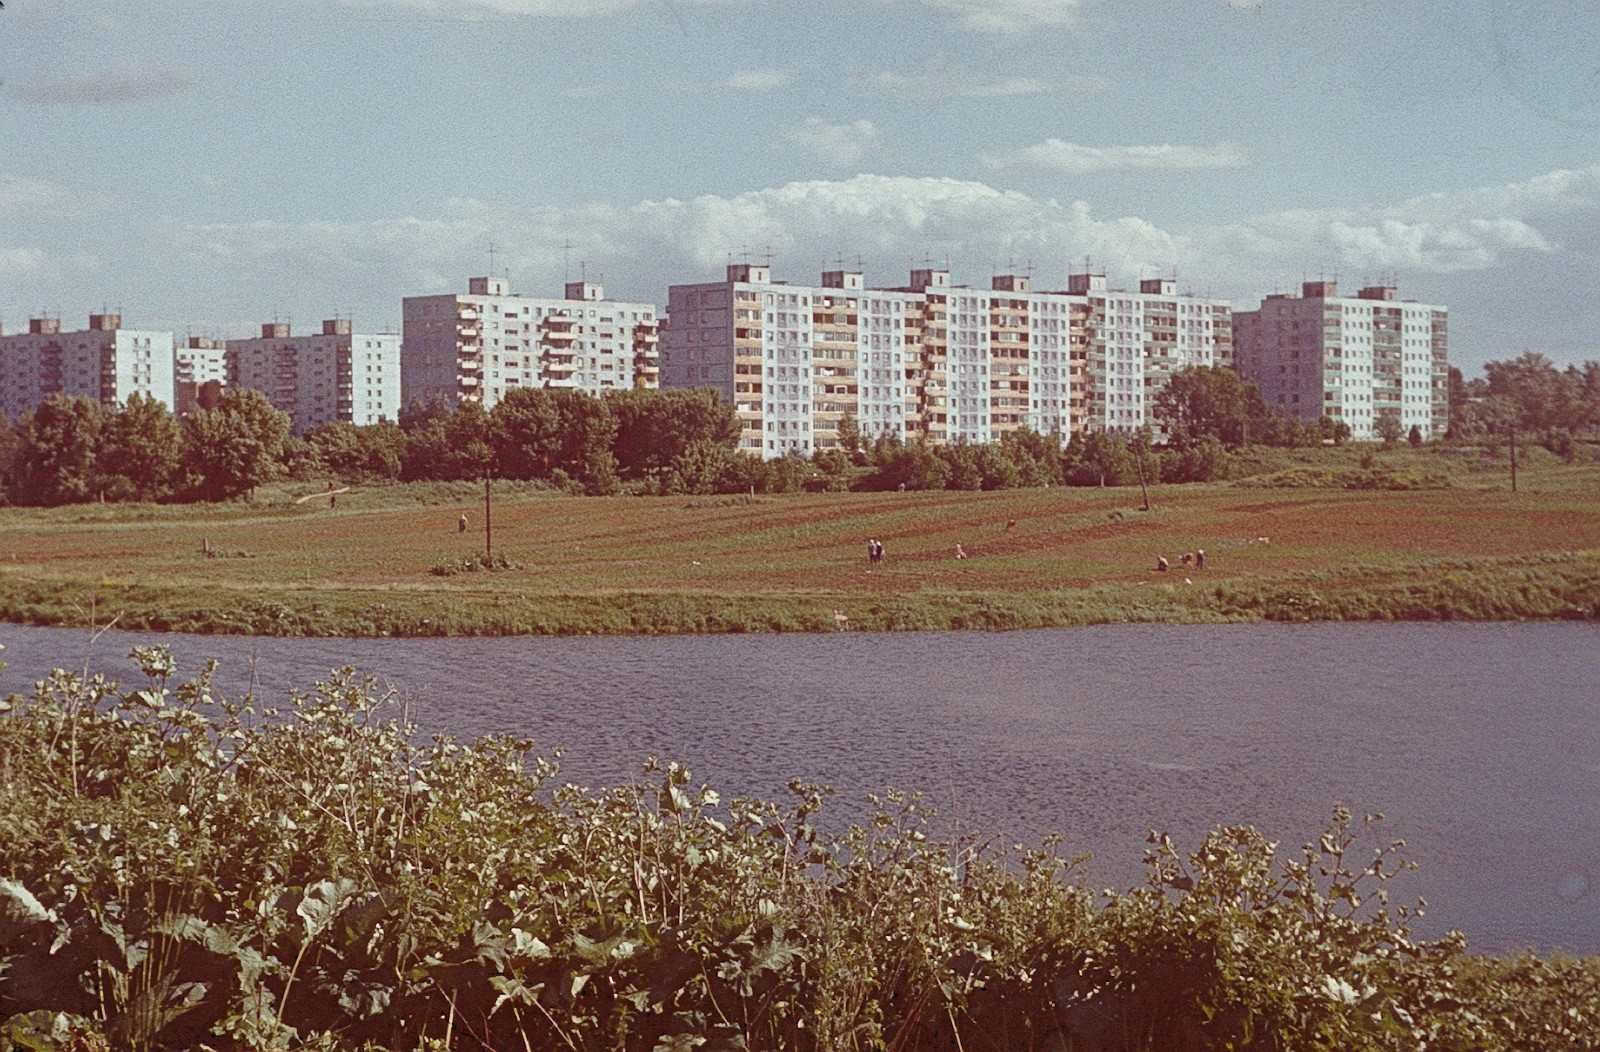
[
  {"x": 178, "y": 871},
  {"x": 1311, "y": 535}
]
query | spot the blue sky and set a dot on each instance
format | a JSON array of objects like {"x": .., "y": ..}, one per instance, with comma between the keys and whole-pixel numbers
[{"x": 210, "y": 164}]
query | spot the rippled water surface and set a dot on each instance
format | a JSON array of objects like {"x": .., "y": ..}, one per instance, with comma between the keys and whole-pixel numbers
[{"x": 1481, "y": 743}]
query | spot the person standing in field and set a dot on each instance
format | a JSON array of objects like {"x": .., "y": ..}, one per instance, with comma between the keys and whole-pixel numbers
[
  {"x": 1199, "y": 558},
  {"x": 872, "y": 550},
  {"x": 461, "y": 523}
]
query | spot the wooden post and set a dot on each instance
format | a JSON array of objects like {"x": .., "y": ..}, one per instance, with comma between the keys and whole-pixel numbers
[
  {"x": 1139, "y": 462},
  {"x": 488, "y": 523},
  {"x": 1513, "y": 458}
]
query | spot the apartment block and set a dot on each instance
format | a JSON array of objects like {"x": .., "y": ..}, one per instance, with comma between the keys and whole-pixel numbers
[
  {"x": 105, "y": 362},
  {"x": 333, "y": 376},
  {"x": 476, "y": 347},
  {"x": 1354, "y": 359},
  {"x": 199, "y": 373},
  {"x": 932, "y": 361},
  {"x": 1137, "y": 340}
]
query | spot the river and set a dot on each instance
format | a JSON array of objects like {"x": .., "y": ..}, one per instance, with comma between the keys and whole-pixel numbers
[{"x": 1479, "y": 742}]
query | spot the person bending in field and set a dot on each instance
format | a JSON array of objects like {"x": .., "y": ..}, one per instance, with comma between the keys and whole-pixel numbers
[
  {"x": 959, "y": 553},
  {"x": 1162, "y": 566}
]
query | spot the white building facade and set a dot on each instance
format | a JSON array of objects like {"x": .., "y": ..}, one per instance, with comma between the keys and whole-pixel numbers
[
  {"x": 478, "y": 346},
  {"x": 331, "y": 377},
  {"x": 199, "y": 372},
  {"x": 105, "y": 362},
  {"x": 932, "y": 361},
  {"x": 1137, "y": 340},
  {"x": 1353, "y": 359}
]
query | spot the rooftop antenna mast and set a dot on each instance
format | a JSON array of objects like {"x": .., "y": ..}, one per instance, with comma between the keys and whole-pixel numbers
[
  {"x": 492, "y": 251},
  {"x": 566, "y": 260}
]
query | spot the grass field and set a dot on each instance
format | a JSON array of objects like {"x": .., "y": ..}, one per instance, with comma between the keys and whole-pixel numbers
[{"x": 785, "y": 563}]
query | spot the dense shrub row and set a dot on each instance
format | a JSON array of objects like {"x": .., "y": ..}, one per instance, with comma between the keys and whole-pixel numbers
[{"x": 177, "y": 871}]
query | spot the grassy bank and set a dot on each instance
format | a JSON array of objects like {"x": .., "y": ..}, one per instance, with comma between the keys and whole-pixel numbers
[
  {"x": 178, "y": 872},
  {"x": 390, "y": 560}
]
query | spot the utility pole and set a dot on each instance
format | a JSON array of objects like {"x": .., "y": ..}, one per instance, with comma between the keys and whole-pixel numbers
[
  {"x": 1513, "y": 458},
  {"x": 1139, "y": 463},
  {"x": 488, "y": 523}
]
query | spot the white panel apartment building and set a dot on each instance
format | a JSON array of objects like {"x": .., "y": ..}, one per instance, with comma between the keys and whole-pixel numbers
[
  {"x": 1136, "y": 340},
  {"x": 476, "y": 347},
  {"x": 104, "y": 362},
  {"x": 1350, "y": 358},
  {"x": 198, "y": 363},
  {"x": 932, "y": 361},
  {"x": 334, "y": 376}
]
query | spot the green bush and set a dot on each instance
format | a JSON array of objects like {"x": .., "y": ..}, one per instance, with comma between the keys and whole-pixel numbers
[
  {"x": 179, "y": 871},
  {"x": 475, "y": 563}
]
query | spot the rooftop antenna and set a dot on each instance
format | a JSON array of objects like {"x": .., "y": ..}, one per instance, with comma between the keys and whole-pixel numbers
[
  {"x": 767, "y": 256},
  {"x": 492, "y": 251},
  {"x": 566, "y": 260}
]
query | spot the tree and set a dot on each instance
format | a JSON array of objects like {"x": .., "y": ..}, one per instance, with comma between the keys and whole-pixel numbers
[
  {"x": 914, "y": 467},
  {"x": 1535, "y": 392},
  {"x": 1037, "y": 457},
  {"x": 1097, "y": 458},
  {"x": 655, "y": 428},
  {"x": 359, "y": 454},
  {"x": 57, "y": 446},
  {"x": 139, "y": 455},
  {"x": 539, "y": 431},
  {"x": 230, "y": 450},
  {"x": 1388, "y": 426},
  {"x": 450, "y": 445},
  {"x": 1212, "y": 400},
  {"x": 1414, "y": 436}
]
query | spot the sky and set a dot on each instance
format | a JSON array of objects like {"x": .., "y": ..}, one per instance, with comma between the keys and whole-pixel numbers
[{"x": 208, "y": 165}]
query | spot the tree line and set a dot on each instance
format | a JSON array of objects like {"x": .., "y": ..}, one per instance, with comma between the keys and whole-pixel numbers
[
  {"x": 72, "y": 450},
  {"x": 1529, "y": 395}
]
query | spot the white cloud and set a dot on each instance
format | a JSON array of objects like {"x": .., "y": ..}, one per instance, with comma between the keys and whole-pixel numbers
[
  {"x": 840, "y": 144},
  {"x": 758, "y": 80},
  {"x": 125, "y": 80},
  {"x": 888, "y": 220},
  {"x": 1066, "y": 158},
  {"x": 941, "y": 82},
  {"x": 476, "y": 9},
  {"x": 988, "y": 16},
  {"x": 1009, "y": 16},
  {"x": 26, "y": 197},
  {"x": 746, "y": 80}
]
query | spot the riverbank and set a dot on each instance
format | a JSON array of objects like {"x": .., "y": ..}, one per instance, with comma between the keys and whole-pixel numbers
[{"x": 389, "y": 561}]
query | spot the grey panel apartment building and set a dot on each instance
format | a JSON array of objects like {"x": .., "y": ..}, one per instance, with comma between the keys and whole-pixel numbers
[{"x": 1354, "y": 359}]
